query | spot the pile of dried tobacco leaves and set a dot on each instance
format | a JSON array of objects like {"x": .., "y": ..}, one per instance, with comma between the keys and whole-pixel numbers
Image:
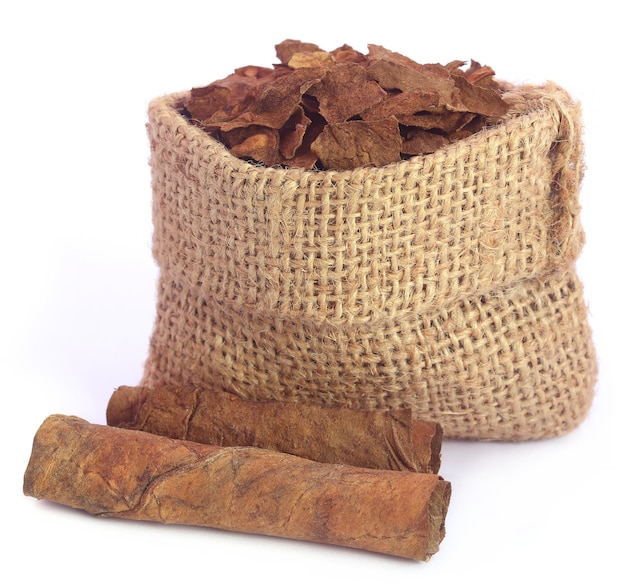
[{"x": 344, "y": 109}]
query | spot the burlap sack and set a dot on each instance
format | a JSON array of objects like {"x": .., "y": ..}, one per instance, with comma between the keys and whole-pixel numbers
[{"x": 445, "y": 283}]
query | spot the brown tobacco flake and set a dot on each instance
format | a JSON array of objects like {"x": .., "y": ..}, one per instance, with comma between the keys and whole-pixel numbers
[
  {"x": 345, "y": 91},
  {"x": 446, "y": 122},
  {"x": 312, "y": 59},
  {"x": 320, "y": 109},
  {"x": 422, "y": 141},
  {"x": 476, "y": 74},
  {"x": 472, "y": 98},
  {"x": 472, "y": 127},
  {"x": 357, "y": 143},
  {"x": 346, "y": 54},
  {"x": 286, "y": 50},
  {"x": 272, "y": 104},
  {"x": 262, "y": 145},
  {"x": 399, "y": 104},
  {"x": 379, "y": 53},
  {"x": 395, "y": 76},
  {"x": 224, "y": 99},
  {"x": 292, "y": 133}
]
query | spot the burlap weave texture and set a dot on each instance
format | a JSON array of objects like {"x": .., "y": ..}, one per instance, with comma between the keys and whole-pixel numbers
[{"x": 445, "y": 283}]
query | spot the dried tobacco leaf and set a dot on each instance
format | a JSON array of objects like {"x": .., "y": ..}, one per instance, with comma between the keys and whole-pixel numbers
[
  {"x": 262, "y": 145},
  {"x": 357, "y": 143},
  {"x": 273, "y": 103},
  {"x": 292, "y": 133},
  {"x": 446, "y": 122},
  {"x": 398, "y": 104},
  {"x": 346, "y": 54},
  {"x": 471, "y": 98},
  {"x": 476, "y": 74},
  {"x": 379, "y": 53},
  {"x": 405, "y": 78},
  {"x": 345, "y": 91},
  {"x": 225, "y": 99},
  {"x": 286, "y": 49},
  {"x": 342, "y": 109},
  {"x": 418, "y": 142},
  {"x": 312, "y": 59}
]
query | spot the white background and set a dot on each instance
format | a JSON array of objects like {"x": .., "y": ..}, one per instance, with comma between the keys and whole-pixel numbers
[{"x": 77, "y": 290}]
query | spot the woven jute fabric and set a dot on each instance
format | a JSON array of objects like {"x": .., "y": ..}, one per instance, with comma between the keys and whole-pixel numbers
[{"x": 445, "y": 283}]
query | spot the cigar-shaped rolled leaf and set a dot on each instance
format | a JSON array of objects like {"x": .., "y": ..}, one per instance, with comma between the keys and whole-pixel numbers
[
  {"x": 330, "y": 434},
  {"x": 110, "y": 471}
]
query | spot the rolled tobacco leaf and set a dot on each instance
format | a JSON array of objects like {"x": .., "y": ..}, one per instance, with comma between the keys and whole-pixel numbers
[
  {"x": 376, "y": 439},
  {"x": 110, "y": 471}
]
